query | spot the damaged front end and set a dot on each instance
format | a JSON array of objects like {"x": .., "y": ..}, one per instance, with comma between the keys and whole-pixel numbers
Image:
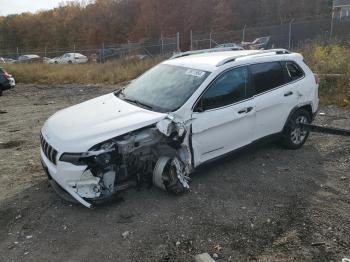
[{"x": 158, "y": 154}]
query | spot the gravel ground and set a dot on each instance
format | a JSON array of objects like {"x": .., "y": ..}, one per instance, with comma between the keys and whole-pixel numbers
[{"x": 261, "y": 204}]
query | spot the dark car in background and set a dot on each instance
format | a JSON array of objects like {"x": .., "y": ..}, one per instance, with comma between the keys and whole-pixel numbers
[{"x": 6, "y": 81}]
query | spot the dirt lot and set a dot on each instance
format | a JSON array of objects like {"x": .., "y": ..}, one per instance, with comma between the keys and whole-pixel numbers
[{"x": 261, "y": 204}]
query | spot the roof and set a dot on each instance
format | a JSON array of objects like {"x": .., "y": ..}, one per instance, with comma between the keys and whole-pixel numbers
[
  {"x": 211, "y": 61},
  {"x": 339, "y": 3}
]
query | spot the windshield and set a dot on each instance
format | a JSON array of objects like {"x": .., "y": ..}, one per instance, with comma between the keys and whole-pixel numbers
[{"x": 164, "y": 88}]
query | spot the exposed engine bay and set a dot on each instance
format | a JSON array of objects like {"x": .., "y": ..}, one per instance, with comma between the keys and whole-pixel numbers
[{"x": 156, "y": 154}]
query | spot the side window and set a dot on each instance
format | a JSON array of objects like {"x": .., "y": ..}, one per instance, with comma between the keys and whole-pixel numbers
[
  {"x": 294, "y": 71},
  {"x": 267, "y": 76},
  {"x": 229, "y": 88}
]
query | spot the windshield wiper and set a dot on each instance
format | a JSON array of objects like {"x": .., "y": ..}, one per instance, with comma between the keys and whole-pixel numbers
[
  {"x": 133, "y": 100},
  {"x": 137, "y": 102}
]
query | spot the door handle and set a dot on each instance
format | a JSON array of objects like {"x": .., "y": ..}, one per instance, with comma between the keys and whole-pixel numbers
[
  {"x": 288, "y": 93},
  {"x": 249, "y": 109},
  {"x": 246, "y": 110}
]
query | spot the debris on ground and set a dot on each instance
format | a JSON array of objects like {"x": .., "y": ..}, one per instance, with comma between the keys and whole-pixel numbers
[{"x": 205, "y": 257}]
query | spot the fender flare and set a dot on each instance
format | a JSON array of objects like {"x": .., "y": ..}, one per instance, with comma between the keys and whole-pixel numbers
[{"x": 296, "y": 108}]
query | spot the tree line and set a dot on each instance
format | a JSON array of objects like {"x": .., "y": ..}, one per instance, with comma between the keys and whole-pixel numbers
[{"x": 120, "y": 21}]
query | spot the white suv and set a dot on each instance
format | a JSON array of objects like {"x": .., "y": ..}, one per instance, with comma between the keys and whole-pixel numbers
[{"x": 184, "y": 112}]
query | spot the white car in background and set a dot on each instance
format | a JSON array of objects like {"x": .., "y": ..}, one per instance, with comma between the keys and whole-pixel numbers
[
  {"x": 181, "y": 114},
  {"x": 69, "y": 58}
]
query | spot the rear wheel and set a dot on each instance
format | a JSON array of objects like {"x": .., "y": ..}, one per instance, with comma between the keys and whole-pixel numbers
[{"x": 295, "y": 136}]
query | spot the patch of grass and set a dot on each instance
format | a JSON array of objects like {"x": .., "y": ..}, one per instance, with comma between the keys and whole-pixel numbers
[
  {"x": 332, "y": 63},
  {"x": 109, "y": 73}
]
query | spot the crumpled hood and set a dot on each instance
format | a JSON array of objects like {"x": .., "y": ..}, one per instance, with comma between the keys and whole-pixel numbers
[{"x": 78, "y": 128}]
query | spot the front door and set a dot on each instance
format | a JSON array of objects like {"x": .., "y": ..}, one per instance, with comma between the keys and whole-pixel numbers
[{"x": 224, "y": 116}]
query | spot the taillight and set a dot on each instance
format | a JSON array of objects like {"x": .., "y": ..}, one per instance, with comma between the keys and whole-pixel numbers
[{"x": 317, "y": 79}]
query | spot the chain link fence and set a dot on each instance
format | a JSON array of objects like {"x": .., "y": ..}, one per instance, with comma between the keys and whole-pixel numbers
[
  {"x": 289, "y": 35},
  {"x": 164, "y": 46}
]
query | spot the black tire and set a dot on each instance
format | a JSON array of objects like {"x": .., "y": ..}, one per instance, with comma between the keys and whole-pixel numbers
[
  {"x": 56, "y": 62},
  {"x": 70, "y": 62},
  {"x": 293, "y": 136}
]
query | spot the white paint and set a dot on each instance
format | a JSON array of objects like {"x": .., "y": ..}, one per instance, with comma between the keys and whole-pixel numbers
[{"x": 214, "y": 132}]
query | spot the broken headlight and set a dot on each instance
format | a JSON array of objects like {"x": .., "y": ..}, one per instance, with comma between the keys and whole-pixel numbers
[
  {"x": 73, "y": 158},
  {"x": 100, "y": 155}
]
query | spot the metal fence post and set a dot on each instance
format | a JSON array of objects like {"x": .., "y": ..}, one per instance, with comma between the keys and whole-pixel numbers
[
  {"x": 191, "y": 38},
  {"x": 17, "y": 53},
  {"x": 243, "y": 37},
  {"x": 162, "y": 45},
  {"x": 103, "y": 52},
  {"x": 332, "y": 24},
  {"x": 178, "y": 41},
  {"x": 210, "y": 39},
  {"x": 290, "y": 34}
]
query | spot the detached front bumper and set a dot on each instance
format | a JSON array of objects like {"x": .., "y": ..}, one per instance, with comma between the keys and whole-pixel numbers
[{"x": 70, "y": 178}]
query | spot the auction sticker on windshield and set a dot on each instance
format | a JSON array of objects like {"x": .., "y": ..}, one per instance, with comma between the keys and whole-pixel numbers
[{"x": 196, "y": 73}]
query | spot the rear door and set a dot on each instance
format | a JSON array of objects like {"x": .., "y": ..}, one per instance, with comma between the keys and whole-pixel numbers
[
  {"x": 223, "y": 118},
  {"x": 270, "y": 98},
  {"x": 293, "y": 75}
]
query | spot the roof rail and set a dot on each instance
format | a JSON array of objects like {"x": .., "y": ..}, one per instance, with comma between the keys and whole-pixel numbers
[
  {"x": 274, "y": 51},
  {"x": 203, "y": 51}
]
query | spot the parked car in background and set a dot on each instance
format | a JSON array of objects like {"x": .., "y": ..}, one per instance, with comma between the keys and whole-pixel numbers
[
  {"x": 257, "y": 44},
  {"x": 137, "y": 57},
  {"x": 2, "y": 60},
  {"x": 46, "y": 60},
  {"x": 69, "y": 58},
  {"x": 230, "y": 45},
  {"x": 6, "y": 81},
  {"x": 28, "y": 59},
  {"x": 108, "y": 54},
  {"x": 9, "y": 60}
]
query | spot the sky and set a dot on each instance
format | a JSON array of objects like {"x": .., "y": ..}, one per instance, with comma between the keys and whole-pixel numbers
[{"x": 19, "y": 6}]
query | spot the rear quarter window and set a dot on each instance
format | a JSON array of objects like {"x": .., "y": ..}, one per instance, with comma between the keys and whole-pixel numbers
[{"x": 294, "y": 71}]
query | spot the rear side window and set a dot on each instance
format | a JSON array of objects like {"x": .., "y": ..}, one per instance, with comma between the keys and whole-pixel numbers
[
  {"x": 267, "y": 76},
  {"x": 294, "y": 71},
  {"x": 231, "y": 87}
]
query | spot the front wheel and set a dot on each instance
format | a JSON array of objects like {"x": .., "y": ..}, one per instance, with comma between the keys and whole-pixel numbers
[{"x": 294, "y": 136}]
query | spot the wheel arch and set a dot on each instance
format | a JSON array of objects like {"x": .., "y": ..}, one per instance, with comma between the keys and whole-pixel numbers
[{"x": 307, "y": 107}]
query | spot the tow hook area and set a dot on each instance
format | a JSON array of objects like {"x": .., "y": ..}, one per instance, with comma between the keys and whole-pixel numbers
[
  {"x": 170, "y": 175},
  {"x": 325, "y": 130}
]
